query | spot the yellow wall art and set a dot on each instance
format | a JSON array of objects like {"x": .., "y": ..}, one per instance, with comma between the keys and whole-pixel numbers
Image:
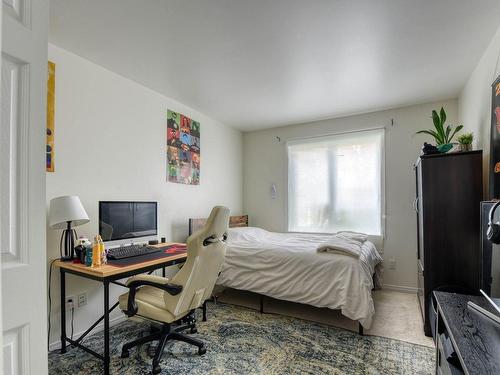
[{"x": 51, "y": 98}]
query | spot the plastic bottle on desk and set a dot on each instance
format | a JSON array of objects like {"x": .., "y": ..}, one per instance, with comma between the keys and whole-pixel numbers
[
  {"x": 96, "y": 252},
  {"x": 102, "y": 251}
]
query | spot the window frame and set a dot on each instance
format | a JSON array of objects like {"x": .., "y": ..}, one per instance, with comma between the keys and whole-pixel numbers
[{"x": 299, "y": 140}]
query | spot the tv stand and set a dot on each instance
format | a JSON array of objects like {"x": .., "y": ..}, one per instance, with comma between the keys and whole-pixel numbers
[{"x": 466, "y": 341}]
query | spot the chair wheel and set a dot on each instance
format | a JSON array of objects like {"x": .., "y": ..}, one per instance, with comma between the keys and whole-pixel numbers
[
  {"x": 194, "y": 330},
  {"x": 125, "y": 354},
  {"x": 202, "y": 350},
  {"x": 156, "y": 369}
]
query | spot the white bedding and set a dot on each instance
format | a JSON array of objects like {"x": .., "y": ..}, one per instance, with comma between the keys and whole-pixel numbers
[
  {"x": 287, "y": 266},
  {"x": 348, "y": 243}
]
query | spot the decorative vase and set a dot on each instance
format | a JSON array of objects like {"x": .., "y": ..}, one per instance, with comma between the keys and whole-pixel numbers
[
  {"x": 465, "y": 147},
  {"x": 444, "y": 148}
]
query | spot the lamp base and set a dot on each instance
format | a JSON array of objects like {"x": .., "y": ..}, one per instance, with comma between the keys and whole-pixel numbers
[{"x": 68, "y": 236}]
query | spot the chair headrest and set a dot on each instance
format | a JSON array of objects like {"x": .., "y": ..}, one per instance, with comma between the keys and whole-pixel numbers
[{"x": 218, "y": 222}]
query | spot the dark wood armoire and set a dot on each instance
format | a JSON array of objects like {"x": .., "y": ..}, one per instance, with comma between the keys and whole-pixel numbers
[{"x": 449, "y": 190}]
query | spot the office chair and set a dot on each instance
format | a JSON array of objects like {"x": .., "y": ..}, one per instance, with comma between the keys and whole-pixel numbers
[{"x": 171, "y": 303}]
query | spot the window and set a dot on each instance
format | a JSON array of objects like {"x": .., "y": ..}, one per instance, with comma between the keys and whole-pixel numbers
[{"x": 335, "y": 183}]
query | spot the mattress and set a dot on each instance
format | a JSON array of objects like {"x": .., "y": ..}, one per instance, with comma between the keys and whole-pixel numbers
[{"x": 287, "y": 266}]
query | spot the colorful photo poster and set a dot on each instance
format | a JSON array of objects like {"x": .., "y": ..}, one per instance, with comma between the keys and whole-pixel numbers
[
  {"x": 183, "y": 149},
  {"x": 51, "y": 98},
  {"x": 495, "y": 141}
]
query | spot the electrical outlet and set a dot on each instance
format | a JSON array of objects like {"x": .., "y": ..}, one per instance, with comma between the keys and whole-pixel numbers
[
  {"x": 392, "y": 263},
  {"x": 70, "y": 302},
  {"x": 82, "y": 299}
]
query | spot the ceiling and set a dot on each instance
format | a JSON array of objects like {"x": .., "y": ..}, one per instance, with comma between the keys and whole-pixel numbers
[{"x": 263, "y": 63}]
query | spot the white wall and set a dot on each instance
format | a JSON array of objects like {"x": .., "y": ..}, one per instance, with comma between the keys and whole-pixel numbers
[
  {"x": 110, "y": 145},
  {"x": 475, "y": 100},
  {"x": 265, "y": 162},
  {"x": 475, "y": 112}
]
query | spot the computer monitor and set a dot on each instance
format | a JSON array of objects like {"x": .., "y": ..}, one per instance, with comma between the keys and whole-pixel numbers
[{"x": 122, "y": 222}]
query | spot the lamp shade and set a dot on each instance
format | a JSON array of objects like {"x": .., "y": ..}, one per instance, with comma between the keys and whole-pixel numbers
[{"x": 64, "y": 209}]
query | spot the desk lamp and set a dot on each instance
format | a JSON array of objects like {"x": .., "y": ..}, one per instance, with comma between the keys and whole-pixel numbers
[{"x": 65, "y": 213}]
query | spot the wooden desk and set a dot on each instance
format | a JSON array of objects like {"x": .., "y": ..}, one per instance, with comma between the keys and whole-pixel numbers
[
  {"x": 106, "y": 271},
  {"x": 474, "y": 338},
  {"x": 105, "y": 274}
]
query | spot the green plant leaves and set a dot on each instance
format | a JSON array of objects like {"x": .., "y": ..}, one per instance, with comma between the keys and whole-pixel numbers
[
  {"x": 457, "y": 129},
  {"x": 432, "y": 133},
  {"x": 443, "y": 116},
  {"x": 441, "y": 135},
  {"x": 436, "y": 120},
  {"x": 466, "y": 139},
  {"x": 438, "y": 124}
]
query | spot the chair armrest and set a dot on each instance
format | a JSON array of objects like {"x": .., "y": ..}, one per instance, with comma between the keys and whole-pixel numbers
[
  {"x": 146, "y": 277},
  {"x": 150, "y": 280}
]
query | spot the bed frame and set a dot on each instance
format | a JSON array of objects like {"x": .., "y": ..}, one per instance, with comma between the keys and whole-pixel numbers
[
  {"x": 234, "y": 222},
  {"x": 237, "y": 222}
]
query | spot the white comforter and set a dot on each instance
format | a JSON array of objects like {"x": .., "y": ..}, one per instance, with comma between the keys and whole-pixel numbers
[{"x": 287, "y": 266}]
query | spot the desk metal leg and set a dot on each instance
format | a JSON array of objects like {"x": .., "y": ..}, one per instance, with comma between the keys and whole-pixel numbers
[
  {"x": 106, "y": 327},
  {"x": 163, "y": 272},
  {"x": 63, "y": 311}
]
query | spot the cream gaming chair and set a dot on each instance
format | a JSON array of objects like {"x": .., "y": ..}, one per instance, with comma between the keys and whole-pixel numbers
[{"x": 172, "y": 302}]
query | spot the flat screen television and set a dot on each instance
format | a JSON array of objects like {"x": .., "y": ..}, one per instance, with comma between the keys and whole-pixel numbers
[{"x": 128, "y": 221}]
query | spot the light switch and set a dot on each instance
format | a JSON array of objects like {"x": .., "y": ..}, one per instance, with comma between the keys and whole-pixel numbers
[{"x": 273, "y": 191}]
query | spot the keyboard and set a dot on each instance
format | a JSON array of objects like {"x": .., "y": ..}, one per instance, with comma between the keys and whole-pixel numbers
[{"x": 131, "y": 251}]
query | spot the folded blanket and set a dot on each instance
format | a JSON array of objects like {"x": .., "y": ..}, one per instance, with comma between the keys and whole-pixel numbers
[
  {"x": 347, "y": 243},
  {"x": 356, "y": 236}
]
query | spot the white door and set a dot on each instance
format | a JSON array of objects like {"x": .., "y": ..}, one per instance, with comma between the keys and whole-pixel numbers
[{"x": 22, "y": 186}]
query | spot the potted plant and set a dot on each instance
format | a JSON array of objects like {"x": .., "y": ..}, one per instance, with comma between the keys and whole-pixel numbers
[
  {"x": 443, "y": 136},
  {"x": 465, "y": 141}
]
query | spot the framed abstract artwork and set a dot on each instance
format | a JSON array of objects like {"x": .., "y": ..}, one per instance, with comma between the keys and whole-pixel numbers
[
  {"x": 183, "y": 149},
  {"x": 51, "y": 98}
]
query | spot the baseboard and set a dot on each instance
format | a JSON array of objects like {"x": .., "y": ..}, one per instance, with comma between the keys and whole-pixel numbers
[
  {"x": 100, "y": 327},
  {"x": 398, "y": 288}
]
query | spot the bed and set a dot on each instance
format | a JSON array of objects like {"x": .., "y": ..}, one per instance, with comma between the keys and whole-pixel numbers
[{"x": 286, "y": 266}]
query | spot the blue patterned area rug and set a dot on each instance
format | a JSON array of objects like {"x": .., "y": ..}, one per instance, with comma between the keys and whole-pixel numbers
[{"x": 242, "y": 341}]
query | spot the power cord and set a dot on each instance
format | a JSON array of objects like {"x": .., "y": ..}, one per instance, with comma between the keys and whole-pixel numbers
[
  {"x": 72, "y": 319},
  {"x": 50, "y": 303},
  {"x": 62, "y": 307}
]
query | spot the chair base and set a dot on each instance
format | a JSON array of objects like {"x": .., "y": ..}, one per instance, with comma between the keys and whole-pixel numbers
[{"x": 164, "y": 333}]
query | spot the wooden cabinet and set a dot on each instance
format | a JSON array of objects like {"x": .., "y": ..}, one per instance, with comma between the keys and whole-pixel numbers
[{"x": 449, "y": 189}]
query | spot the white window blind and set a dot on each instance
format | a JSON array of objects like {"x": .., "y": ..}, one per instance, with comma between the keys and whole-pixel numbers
[{"x": 335, "y": 183}]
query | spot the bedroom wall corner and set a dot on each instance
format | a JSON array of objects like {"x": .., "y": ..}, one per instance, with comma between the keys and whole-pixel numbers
[{"x": 265, "y": 163}]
